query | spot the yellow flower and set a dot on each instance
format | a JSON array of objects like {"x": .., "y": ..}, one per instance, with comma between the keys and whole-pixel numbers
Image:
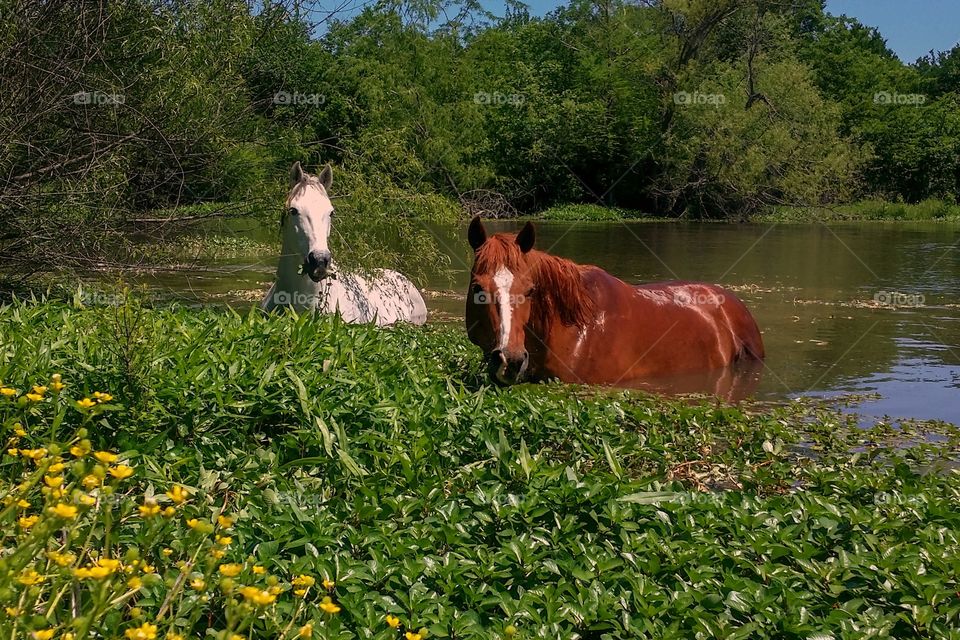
[
  {"x": 149, "y": 509},
  {"x": 193, "y": 523},
  {"x": 86, "y": 403},
  {"x": 19, "y": 431},
  {"x": 134, "y": 583},
  {"x": 13, "y": 452},
  {"x": 329, "y": 606},
  {"x": 231, "y": 570},
  {"x": 393, "y": 621},
  {"x": 57, "y": 386},
  {"x": 28, "y": 521},
  {"x": 328, "y": 584},
  {"x": 66, "y": 511},
  {"x": 39, "y": 390},
  {"x": 177, "y": 494},
  {"x": 410, "y": 635},
  {"x": 91, "y": 481},
  {"x": 13, "y": 612},
  {"x": 303, "y": 581},
  {"x": 121, "y": 471},
  {"x": 217, "y": 553},
  {"x": 258, "y": 570},
  {"x": 7, "y": 391},
  {"x": 306, "y": 631},
  {"x": 110, "y": 563},
  {"x": 225, "y": 521},
  {"x": 197, "y": 584},
  {"x": 87, "y": 501},
  {"x": 80, "y": 449},
  {"x": 257, "y": 596},
  {"x": 30, "y": 577},
  {"x": 62, "y": 559},
  {"x": 102, "y": 397},
  {"x": 275, "y": 589},
  {"x": 56, "y": 467},
  {"x": 34, "y": 397},
  {"x": 53, "y": 481},
  {"x": 146, "y": 631},
  {"x": 169, "y": 512},
  {"x": 224, "y": 541},
  {"x": 44, "y": 634},
  {"x": 106, "y": 457},
  {"x": 300, "y": 593},
  {"x": 34, "y": 454},
  {"x": 23, "y": 504},
  {"x": 167, "y": 552},
  {"x": 175, "y": 636}
]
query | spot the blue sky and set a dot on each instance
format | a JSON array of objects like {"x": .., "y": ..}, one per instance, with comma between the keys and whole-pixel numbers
[{"x": 912, "y": 27}]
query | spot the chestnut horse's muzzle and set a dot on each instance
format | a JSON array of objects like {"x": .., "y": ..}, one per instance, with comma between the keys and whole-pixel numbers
[{"x": 507, "y": 369}]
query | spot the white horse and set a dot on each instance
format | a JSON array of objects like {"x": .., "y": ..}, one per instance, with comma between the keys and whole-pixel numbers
[{"x": 306, "y": 277}]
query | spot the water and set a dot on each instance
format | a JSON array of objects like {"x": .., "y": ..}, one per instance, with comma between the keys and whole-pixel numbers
[{"x": 820, "y": 294}]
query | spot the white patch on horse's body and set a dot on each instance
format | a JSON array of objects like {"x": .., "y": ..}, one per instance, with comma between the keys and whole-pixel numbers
[
  {"x": 385, "y": 297},
  {"x": 504, "y": 281},
  {"x": 656, "y": 297}
]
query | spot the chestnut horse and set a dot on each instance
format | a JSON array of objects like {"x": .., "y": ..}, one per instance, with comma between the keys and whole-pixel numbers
[{"x": 538, "y": 316}]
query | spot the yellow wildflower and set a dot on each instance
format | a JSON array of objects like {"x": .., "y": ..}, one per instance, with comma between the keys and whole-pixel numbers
[
  {"x": 91, "y": 481},
  {"x": 393, "y": 621},
  {"x": 34, "y": 397},
  {"x": 193, "y": 523},
  {"x": 39, "y": 390},
  {"x": 34, "y": 454},
  {"x": 231, "y": 570},
  {"x": 328, "y": 584},
  {"x": 43, "y": 634},
  {"x": 167, "y": 552},
  {"x": 56, "y": 467},
  {"x": 149, "y": 509},
  {"x": 197, "y": 584},
  {"x": 134, "y": 583},
  {"x": 256, "y": 596},
  {"x": 177, "y": 494},
  {"x": 102, "y": 397},
  {"x": 28, "y": 521},
  {"x": 56, "y": 383},
  {"x": 217, "y": 553},
  {"x": 66, "y": 511},
  {"x": 19, "y": 431},
  {"x": 121, "y": 471},
  {"x": 23, "y": 504},
  {"x": 106, "y": 457},
  {"x": 13, "y": 452},
  {"x": 300, "y": 593},
  {"x": 87, "y": 500},
  {"x": 275, "y": 589},
  {"x": 306, "y": 631},
  {"x": 13, "y": 612},
  {"x": 224, "y": 541},
  {"x": 146, "y": 631},
  {"x": 62, "y": 559},
  {"x": 7, "y": 391},
  {"x": 147, "y": 568},
  {"x": 225, "y": 521},
  {"x": 303, "y": 581},
  {"x": 30, "y": 577},
  {"x": 80, "y": 449},
  {"x": 86, "y": 403},
  {"x": 329, "y": 606},
  {"x": 258, "y": 570},
  {"x": 410, "y": 635},
  {"x": 53, "y": 481},
  {"x": 175, "y": 636}
]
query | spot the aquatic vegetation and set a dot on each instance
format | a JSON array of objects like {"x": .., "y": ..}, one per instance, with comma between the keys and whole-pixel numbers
[{"x": 192, "y": 472}]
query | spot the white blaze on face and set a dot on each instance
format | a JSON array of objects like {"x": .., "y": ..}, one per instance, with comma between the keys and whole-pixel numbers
[{"x": 503, "y": 280}]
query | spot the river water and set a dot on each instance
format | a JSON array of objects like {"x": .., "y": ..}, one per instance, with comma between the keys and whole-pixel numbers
[{"x": 865, "y": 311}]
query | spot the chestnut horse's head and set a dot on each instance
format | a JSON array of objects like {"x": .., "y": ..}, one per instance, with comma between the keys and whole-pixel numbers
[{"x": 499, "y": 299}]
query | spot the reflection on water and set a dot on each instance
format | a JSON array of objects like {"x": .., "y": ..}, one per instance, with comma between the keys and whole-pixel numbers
[{"x": 819, "y": 293}]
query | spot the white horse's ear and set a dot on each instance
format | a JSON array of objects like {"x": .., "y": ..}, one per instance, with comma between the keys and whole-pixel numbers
[
  {"x": 326, "y": 177},
  {"x": 296, "y": 173},
  {"x": 526, "y": 237},
  {"x": 476, "y": 234}
]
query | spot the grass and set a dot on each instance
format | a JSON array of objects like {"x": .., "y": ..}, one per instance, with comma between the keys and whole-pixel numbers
[
  {"x": 382, "y": 462},
  {"x": 588, "y": 213},
  {"x": 881, "y": 210}
]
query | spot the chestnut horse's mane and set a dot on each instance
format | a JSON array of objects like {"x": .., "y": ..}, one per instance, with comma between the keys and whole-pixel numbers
[{"x": 560, "y": 291}]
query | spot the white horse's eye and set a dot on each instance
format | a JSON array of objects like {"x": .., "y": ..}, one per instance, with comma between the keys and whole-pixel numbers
[{"x": 293, "y": 211}]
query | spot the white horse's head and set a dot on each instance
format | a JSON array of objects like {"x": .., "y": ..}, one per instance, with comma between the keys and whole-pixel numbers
[{"x": 308, "y": 219}]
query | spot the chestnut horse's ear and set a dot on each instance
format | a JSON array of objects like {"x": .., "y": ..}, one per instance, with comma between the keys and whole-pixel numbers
[
  {"x": 526, "y": 237},
  {"x": 476, "y": 234}
]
